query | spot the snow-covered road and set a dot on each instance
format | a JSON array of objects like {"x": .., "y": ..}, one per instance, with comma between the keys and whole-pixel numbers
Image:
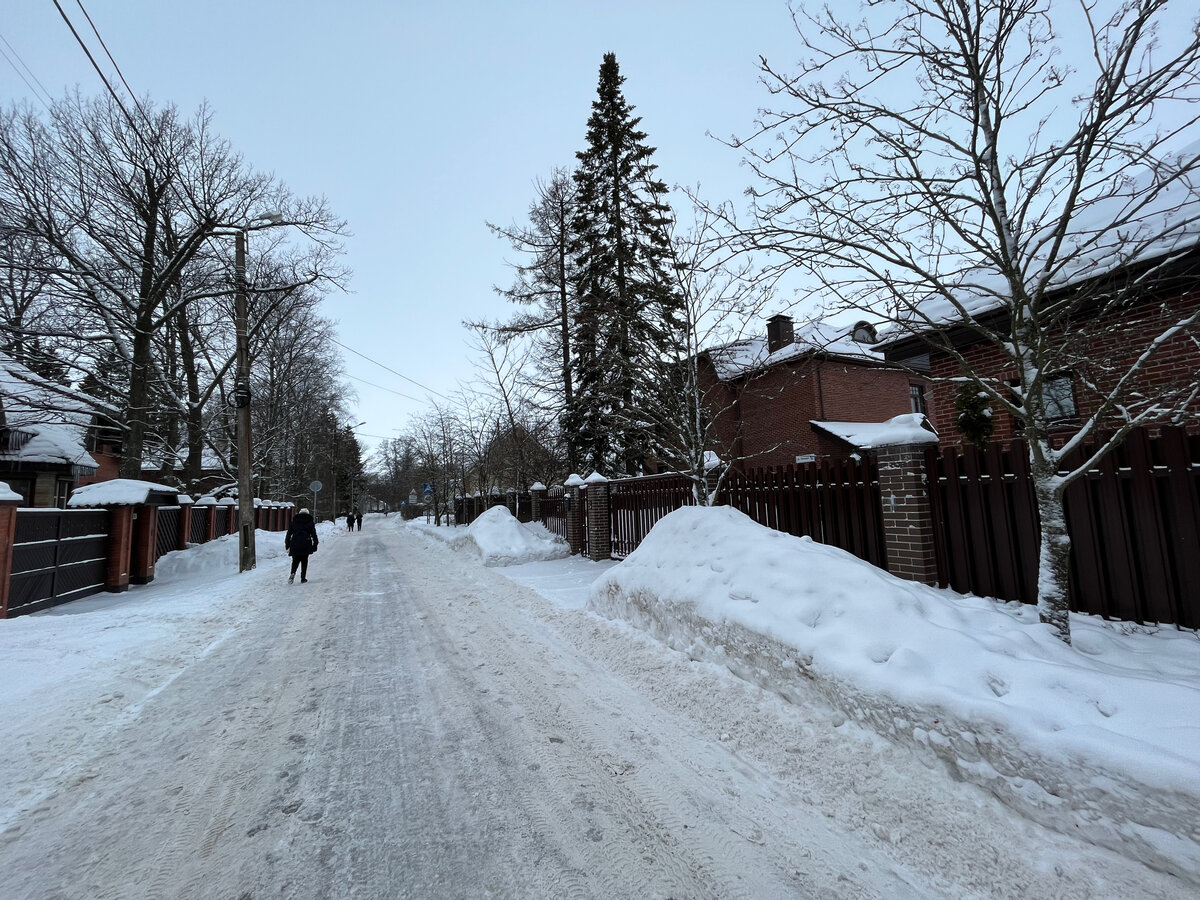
[{"x": 412, "y": 724}]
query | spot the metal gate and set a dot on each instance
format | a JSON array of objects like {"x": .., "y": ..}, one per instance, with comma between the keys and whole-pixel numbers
[{"x": 59, "y": 555}]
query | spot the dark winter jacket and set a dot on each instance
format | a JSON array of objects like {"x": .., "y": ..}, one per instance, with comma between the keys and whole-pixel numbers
[{"x": 301, "y": 537}]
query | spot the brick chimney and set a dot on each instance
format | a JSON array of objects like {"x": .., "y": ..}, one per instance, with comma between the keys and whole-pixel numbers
[{"x": 779, "y": 332}]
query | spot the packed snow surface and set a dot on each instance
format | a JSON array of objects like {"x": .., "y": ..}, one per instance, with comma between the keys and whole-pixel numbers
[{"x": 414, "y": 723}]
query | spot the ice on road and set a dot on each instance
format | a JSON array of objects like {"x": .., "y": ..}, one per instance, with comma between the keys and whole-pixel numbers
[{"x": 411, "y": 723}]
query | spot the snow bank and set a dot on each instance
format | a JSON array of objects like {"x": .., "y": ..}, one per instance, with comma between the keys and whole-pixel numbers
[
  {"x": 500, "y": 540},
  {"x": 219, "y": 556},
  {"x": 1100, "y": 739}
]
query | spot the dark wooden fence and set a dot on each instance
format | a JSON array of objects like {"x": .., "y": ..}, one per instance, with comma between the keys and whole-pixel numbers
[
  {"x": 637, "y": 503},
  {"x": 468, "y": 509},
  {"x": 1134, "y": 523},
  {"x": 833, "y": 502},
  {"x": 58, "y": 555}
]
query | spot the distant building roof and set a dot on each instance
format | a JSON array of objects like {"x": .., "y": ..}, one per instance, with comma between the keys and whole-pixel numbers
[
  {"x": 45, "y": 424},
  {"x": 751, "y": 354}
]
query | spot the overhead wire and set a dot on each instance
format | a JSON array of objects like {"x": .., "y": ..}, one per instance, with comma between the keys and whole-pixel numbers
[
  {"x": 107, "y": 53},
  {"x": 46, "y": 100},
  {"x": 100, "y": 72},
  {"x": 393, "y": 371},
  {"x": 382, "y": 388}
]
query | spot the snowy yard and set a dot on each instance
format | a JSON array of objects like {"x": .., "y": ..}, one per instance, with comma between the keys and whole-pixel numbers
[{"x": 464, "y": 713}]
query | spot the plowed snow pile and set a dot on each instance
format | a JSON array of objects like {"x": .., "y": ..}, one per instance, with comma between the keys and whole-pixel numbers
[
  {"x": 1101, "y": 738},
  {"x": 500, "y": 540}
]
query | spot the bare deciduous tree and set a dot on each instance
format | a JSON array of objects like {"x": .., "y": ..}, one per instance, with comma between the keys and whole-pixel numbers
[
  {"x": 986, "y": 181},
  {"x": 124, "y": 207}
]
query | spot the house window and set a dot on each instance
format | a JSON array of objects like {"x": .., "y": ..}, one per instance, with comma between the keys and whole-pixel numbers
[
  {"x": 916, "y": 398},
  {"x": 1058, "y": 397},
  {"x": 62, "y": 490},
  {"x": 1058, "y": 393}
]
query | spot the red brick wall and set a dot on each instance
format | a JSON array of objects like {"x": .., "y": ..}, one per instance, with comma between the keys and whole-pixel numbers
[
  {"x": 765, "y": 420},
  {"x": 1177, "y": 362},
  {"x": 109, "y": 466}
]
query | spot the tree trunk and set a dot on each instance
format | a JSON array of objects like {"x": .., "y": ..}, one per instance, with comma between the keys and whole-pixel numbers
[
  {"x": 137, "y": 407},
  {"x": 1055, "y": 554}
]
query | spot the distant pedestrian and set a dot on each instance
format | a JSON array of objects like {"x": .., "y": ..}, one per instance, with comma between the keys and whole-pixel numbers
[
  {"x": 349, "y": 521},
  {"x": 357, "y": 520},
  {"x": 300, "y": 542}
]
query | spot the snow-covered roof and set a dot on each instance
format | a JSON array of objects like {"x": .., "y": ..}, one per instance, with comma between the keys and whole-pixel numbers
[
  {"x": 156, "y": 457},
  {"x": 56, "y": 423},
  {"x": 750, "y": 354},
  {"x": 910, "y": 428},
  {"x": 117, "y": 492},
  {"x": 1106, "y": 236}
]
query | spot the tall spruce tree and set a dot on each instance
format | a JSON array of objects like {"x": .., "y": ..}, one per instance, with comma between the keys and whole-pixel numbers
[{"x": 628, "y": 313}]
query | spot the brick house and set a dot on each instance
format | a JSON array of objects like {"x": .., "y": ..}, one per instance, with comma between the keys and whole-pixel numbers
[
  {"x": 1103, "y": 348},
  {"x": 765, "y": 393}
]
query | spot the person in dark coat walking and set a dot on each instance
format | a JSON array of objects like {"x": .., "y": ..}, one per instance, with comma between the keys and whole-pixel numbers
[
  {"x": 357, "y": 520},
  {"x": 300, "y": 542},
  {"x": 349, "y": 521}
]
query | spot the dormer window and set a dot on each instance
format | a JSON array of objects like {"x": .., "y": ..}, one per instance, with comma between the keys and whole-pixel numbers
[{"x": 864, "y": 333}]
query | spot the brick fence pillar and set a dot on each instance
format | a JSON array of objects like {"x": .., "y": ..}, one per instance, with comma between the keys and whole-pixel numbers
[
  {"x": 185, "y": 525},
  {"x": 907, "y": 513},
  {"x": 120, "y": 548},
  {"x": 537, "y": 494},
  {"x": 574, "y": 519},
  {"x": 210, "y": 517},
  {"x": 9, "y": 501},
  {"x": 599, "y": 522},
  {"x": 145, "y": 544}
]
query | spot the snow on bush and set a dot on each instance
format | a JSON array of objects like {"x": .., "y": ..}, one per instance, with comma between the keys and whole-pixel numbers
[
  {"x": 500, "y": 540},
  {"x": 1102, "y": 738}
]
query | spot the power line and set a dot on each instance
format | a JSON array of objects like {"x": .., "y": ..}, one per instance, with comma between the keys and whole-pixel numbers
[
  {"x": 45, "y": 102},
  {"x": 382, "y": 366},
  {"x": 382, "y": 388},
  {"x": 96, "y": 32},
  {"x": 100, "y": 72}
]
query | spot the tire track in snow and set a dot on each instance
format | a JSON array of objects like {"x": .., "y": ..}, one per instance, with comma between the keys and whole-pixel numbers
[{"x": 721, "y": 852}]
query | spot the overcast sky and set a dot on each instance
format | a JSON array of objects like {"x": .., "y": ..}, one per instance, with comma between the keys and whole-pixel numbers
[{"x": 419, "y": 122}]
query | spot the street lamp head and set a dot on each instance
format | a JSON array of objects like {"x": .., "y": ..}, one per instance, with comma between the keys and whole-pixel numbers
[{"x": 275, "y": 218}]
